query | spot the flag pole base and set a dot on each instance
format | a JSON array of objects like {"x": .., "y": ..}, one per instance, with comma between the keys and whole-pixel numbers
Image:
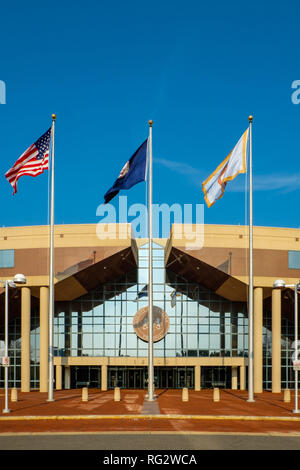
[{"x": 150, "y": 399}]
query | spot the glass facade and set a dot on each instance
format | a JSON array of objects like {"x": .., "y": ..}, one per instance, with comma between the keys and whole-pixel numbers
[
  {"x": 287, "y": 339},
  {"x": 100, "y": 323}
]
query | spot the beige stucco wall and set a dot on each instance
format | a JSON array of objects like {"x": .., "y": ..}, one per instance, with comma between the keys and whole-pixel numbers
[
  {"x": 72, "y": 244},
  {"x": 158, "y": 361},
  {"x": 232, "y": 237}
]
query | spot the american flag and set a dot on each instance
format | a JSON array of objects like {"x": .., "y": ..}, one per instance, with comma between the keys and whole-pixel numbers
[{"x": 32, "y": 162}]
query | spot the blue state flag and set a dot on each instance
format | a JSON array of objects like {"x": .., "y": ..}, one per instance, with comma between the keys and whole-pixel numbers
[
  {"x": 142, "y": 293},
  {"x": 133, "y": 172}
]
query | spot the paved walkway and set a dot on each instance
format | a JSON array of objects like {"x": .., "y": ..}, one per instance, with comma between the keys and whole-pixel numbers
[
  {"x": 150, "y": 407},
  {"x": 139, "y": 442},
  {"x": 233, "y": 413}
]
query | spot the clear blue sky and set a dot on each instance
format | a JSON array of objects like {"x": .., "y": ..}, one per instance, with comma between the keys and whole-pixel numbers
[{"x": 198, "y": 69}]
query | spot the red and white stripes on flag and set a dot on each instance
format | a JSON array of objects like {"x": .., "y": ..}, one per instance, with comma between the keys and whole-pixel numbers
[{"x": 32, "y": 162}]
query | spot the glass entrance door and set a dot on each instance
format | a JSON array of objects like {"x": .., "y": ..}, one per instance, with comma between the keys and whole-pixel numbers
[
  {"x": 212, "y": 377},
  {"x": 116, "y": 377},
  {"x": 127, "y": 377},
  {"x": 135, "y": 377},
  {"x": 85, "y": 376},
  {"x": 95, "y": 377},
  {"x": 185, "y": 377},
  {"x": 164, "y": 377},
  {"x": 174, "y": 377}
]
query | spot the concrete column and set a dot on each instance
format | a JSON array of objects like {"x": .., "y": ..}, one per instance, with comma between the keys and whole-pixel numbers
[
  {"x": 234, "y": 378},
  {"x": 258, "y": 346},
  {"x": 67, "y": 378},
  {"x": 276, "y": 341},
  {"x": 197, "y": 378},
  {"x": 104, "y": 378},
  {"x": 58, "y": 377},
  {"x": 242, "y": 378},
  {"x": 44, "y": 338},
  {"x": 25, "y": 339}
]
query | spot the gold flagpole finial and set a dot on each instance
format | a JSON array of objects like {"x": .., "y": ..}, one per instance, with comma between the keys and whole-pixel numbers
[
  {"x": 250, "y": 118},
  {"x": 150, "y": 123},
  {"x": 53, "y": 116}
]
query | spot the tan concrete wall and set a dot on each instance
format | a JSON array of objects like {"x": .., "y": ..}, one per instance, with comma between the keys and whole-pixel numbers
[
  {"x": 75, "y": 247},
  {"x": 80, "y": 235},
  {"x": 229, "y": 244},
  {"x": 273, "y": 241},
  {"x": 236, "y": 236},
  {"x": 158, "y": 361}
]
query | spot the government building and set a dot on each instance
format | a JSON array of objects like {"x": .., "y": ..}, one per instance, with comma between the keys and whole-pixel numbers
[{"x": 200, "y": 315}]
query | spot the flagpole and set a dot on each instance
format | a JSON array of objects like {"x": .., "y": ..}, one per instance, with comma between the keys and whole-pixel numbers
[
  {"x": 150, "y": 396},
  {"x": 250, "y": 309},
  {"x": 51, "y": 269}
]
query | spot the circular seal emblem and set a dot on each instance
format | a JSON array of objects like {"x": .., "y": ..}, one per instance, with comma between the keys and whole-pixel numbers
[{"x": 161, "y": 323}]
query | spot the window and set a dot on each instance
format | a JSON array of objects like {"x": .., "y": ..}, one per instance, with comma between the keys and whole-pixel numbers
[
  {"x": 294, "y": 259},
  {"x": 7, "y": 258}
]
